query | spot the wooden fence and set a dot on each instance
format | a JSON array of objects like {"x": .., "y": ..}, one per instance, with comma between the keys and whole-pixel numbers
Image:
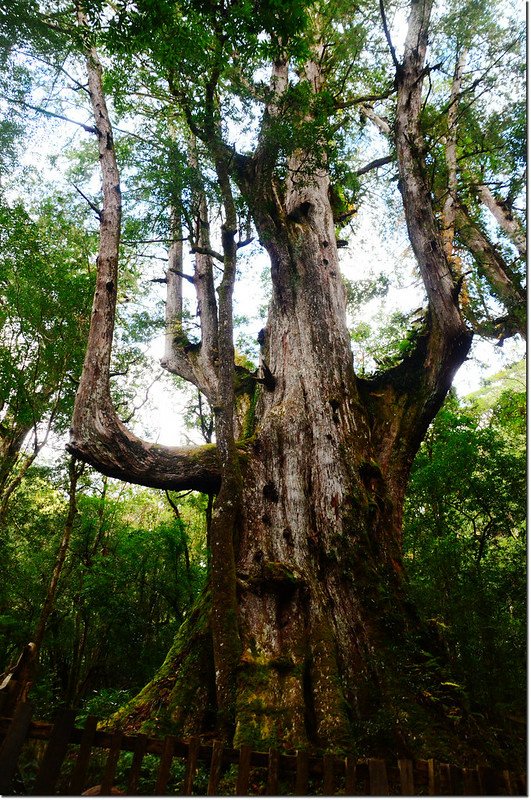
[{"x": 76, "y": 761}]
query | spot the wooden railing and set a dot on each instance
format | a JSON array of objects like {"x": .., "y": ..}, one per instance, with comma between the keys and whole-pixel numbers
[{"x": 78, "y": 761}]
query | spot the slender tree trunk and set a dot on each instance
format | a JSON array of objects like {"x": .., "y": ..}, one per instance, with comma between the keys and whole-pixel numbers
[
  {"x": 23, "y": 675},
  {"x": 74, "y": 473}
]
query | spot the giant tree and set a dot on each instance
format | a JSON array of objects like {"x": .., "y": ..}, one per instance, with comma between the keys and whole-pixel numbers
[{"x": 305, "y": 635}]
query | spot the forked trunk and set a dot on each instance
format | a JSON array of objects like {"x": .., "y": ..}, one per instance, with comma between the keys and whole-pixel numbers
[
  {"x": 305, "y": 637},
  {"x": 331, "y": 650}
]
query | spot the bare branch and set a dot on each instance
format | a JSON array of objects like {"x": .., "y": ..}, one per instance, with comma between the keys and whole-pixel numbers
[
  {"x": 207, "y": 251},
  {"x": 92, "y": 205},
  {"x": 377, "y": 162},
  {"x": 388, "y": 37},
  {"x": 46, "y": 113}
]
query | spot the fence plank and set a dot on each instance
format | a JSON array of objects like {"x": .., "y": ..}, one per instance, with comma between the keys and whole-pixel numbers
[
  {"x": 470, "y": 782},
  {"x": 55, "y": 753},
  {"x": 215, "y": 768},
  {"x": 12, "y": 745},
  {"x": 446, "y": 782},
  {"x": 272, "y": 772},
  {"x": 434, "y": 780},
  {"x": 191, "y": 766},
  {"x": 79, "y": 773},
  {"x": 244, "y": 770},
  {"x": 508, "y": 782},
  {"x": 328, "y": 774},
  {"x": 136, "y": 765},
  {"x": 163, "y": 775},
  {"x": 302, "y": 774},
  {"x": 350, "y": 776},
  {"x": 111, "y": 763},
  {"x": 378, "y": 777},
  {"x": 407, "y": 781}
]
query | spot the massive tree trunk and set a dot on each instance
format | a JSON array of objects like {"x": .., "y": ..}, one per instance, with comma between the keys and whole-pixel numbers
[{"x": 331, "y": 651}]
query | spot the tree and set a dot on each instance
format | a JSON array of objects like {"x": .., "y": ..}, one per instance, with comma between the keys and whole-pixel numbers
[
  {"x": 306, "y": 635},
  {"x": 464, "y": 536},
  {"x": 98, "y": 576},
  {"x": 46, "y": 282}
]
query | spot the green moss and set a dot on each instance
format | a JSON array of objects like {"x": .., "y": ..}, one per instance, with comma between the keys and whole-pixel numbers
[
  {"x": 250, "y": 416},
  {"x": 178, "y": 697},
  {"x": 278, "y": 572}
]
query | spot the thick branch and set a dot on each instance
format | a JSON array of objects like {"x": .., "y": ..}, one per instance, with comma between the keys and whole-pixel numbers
[
  {"x": 418, "y": 205},
  {"x": 378, "y": 162},
  {"x": 503, "y": 282},
  {"x": 403, "y": 401},
  {"x": 509, "y": 224},
  {"x": 97, "y": 435}
]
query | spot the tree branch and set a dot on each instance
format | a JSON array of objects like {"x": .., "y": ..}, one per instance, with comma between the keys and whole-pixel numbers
[
  {"x": 377, "y": 162},
  {"x": 97, "y": 435},
  {"x": 388, "y": 37},
  {"x": 92, "y": 205},
  {"x": 52, "y": 114}
]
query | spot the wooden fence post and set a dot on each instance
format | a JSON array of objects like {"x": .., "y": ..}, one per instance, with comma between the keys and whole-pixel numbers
[
  {"x": 378, "y": 777},
  {"x": 407, "y": 781},
  {"x": 350, "y": 776},
  {"x": 12, "y": 745},
  {"x": 328, "y": 774},
  {"x": 215, "y": 768},
  {"x": 470, "y": 782},
  {"x": 111, "y": 764},
  {"x": 301, "y": 778},
  {"x": 79, "y": 773},
  {"x": 434, "y": 778},
  {"x": 138, "y": 756},
  {"x": 191, "y": 766},
  {"x": 272, "y": 772},
  {"x": 166, "y": 758},
  {"x": 244, "y": 770},
  {"x": 55, "y": 753}
]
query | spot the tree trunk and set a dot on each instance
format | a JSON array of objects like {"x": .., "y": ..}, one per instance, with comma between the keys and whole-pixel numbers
[{"x": 331, "y": 651}]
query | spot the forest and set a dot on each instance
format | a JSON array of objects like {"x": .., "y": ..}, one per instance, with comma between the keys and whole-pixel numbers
[{"x": 262, "y": 371}]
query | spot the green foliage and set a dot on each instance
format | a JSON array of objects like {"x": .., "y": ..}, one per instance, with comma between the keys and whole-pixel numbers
[
  {"x": 465, "y": 543},
  {"x": 132, "y": 572},
  {"x": 386, "y": 346},
  {"x": 46, "y": 290}
]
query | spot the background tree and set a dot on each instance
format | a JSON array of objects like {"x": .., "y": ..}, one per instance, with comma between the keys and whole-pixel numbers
[
  {"x": 46, "y": 281},
  {"x": 130, "y": 572},
  {"x": 464, "y": 539}
]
